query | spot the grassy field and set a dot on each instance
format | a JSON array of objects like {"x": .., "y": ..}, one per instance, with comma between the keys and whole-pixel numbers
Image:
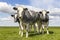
[{"x": 11, "y": 33}]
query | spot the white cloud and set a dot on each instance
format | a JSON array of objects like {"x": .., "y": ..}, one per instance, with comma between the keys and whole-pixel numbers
[
  {"x": 47, "y": 1},
  {"x": 54, "y": 10},
  {"x": 29, "y": 7},
  {"x": 45, "y": 4},
  {"x": 41, "y": 3},
  {"x": 35, "y": 3},
  {"x": 8, "y": 18},
  {"x": 54, "y": 17},
  {"x": 6, "y": 8},
  {"x": 51, "y": 17},
  {"x": 54, "y": 22},
  {"x": 7, "y": 21}
]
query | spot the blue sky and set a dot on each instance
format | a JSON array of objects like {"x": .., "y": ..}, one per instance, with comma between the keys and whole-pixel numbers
[
  {"x": 51, "y": 5},
  {"x": 13, "y": 2}
]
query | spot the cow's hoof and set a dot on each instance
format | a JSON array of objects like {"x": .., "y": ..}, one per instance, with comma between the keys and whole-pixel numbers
[
  {"x": 21, "y": 35},
  {"x": 26, "y": 36},
  {"x": 19, "y": 32},
  {"x": 42, "y": 32},
  {"x": 47, "y": 33}
]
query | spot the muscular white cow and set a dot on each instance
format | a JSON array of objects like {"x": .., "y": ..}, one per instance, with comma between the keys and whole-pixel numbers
[
  {"x": 44, "y": 20},
  {"x": 26, "y": 18}
]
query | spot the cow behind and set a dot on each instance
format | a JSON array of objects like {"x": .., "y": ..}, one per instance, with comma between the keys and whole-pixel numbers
[{"x": 44, "y": 20}]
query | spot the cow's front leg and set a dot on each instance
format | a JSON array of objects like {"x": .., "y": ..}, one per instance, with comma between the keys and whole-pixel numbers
[
  {"x": 27, "y": 28},
  {"x": 42, "y": 29},
  {"x": 19, "y": 30},
  {"x": 47, "y": 29},
  {"x": 21, "y": 25}
]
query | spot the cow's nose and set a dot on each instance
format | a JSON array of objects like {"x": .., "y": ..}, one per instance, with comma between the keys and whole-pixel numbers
[
  {"x": 20, "y": 17},
  {"x": 14, "y": 8}
]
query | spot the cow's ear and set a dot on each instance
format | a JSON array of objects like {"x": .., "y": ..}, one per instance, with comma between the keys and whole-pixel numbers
[
  {"x": 12, "y": 15},
  {"x": 40, "y": 12},
  {"x": 47, "y": 11},
  {"x": 14, "y": 8},
  {"x": 25, "y": 8}
]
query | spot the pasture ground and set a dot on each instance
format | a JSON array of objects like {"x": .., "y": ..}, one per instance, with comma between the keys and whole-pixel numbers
[{"x": 11, "y": 33}]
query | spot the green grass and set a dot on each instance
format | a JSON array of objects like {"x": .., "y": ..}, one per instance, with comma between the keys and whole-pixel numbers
[{"x": 11, "y": 33}]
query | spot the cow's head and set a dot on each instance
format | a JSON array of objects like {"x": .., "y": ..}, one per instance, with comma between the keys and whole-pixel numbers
[
  {"x": 20, "y": 10},
  {"x": 15, "y": 17},
  {"x": 44, "y": 13}
]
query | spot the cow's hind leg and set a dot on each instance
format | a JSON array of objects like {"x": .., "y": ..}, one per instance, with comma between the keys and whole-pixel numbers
[
  {"x": 39, "y": 28},
  {"x": 34, "y": 28}
]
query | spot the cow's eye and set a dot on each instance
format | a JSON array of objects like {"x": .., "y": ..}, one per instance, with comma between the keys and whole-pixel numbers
[
  {"x": 25, "y": 9},
  {"x": 40, "y": 12}
]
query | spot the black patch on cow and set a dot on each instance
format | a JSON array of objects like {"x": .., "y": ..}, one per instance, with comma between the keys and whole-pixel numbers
[{"x": 17, "y": 20}]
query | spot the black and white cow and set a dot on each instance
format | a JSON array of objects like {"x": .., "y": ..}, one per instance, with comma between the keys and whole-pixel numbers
[
  {"x": 27, "y": 18},
  {"x": 44, "y": 20},
  {"x": 15, "y": 17}
]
